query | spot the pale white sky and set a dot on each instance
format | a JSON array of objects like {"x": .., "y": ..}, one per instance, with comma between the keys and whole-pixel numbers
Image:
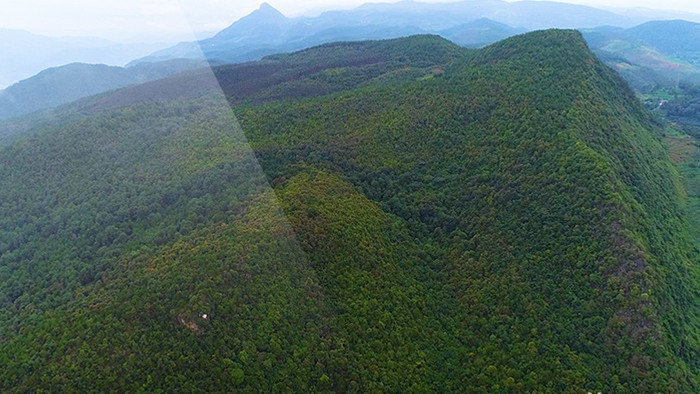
[{"x": 152, "y": 20}]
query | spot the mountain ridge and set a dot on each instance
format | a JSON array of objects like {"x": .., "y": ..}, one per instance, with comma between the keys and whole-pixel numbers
[{"x": 426, "y": 17}]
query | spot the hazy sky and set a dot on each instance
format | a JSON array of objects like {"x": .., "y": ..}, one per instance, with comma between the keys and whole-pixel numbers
[{"x": 163, "y": 19}]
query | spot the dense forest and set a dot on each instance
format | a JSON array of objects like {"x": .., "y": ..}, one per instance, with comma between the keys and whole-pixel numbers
[{"x": 384, "y": 216}]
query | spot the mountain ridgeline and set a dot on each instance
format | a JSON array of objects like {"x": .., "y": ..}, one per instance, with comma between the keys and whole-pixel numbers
[
  {"x": 380, "y": 216},
  {"x": 266, "y": 31},
  {"x": 651, "y": 57}
]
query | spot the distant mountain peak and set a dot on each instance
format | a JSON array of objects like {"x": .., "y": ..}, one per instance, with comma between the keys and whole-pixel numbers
[
  {"x": 263, "y": 21},
  {"x": 267, "y": 11}
]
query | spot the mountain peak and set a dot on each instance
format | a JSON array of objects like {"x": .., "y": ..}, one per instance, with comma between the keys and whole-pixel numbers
[
  {"x": 260, "y": 21},
  {"x": 267, "y": 11}
]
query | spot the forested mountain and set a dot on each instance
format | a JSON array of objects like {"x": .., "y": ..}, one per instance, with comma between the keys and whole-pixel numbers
[{"x": 381, "y": 216}]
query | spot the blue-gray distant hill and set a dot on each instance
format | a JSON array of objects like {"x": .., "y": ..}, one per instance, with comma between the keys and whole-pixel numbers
[
  {"x": 60, "y": 85},
  {"x": 23, "y": 54},
  {"x": 678, "y": 38}
]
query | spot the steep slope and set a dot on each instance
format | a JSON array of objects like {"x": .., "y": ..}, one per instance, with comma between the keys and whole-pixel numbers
[
  {"x": 437, "y": 219},
  {"x": 547, "y": 152},
  {"x": 323, "y": 70}
]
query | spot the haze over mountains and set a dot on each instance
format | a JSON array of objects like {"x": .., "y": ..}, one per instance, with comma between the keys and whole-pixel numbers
[
  {"x": 645, "y": 60},
  {"x": 60, "y": 85},
  {"x": 268, "y": 31},
  {"x": 23, "y": 54}
]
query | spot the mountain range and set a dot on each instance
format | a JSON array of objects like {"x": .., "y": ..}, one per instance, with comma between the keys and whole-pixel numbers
[
  {"x": 267, "y": 31},
  {"x": 649, "y": 56}
]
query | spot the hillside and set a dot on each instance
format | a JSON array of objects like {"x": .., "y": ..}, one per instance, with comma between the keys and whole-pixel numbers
[{"x": 402, "y": 215}]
